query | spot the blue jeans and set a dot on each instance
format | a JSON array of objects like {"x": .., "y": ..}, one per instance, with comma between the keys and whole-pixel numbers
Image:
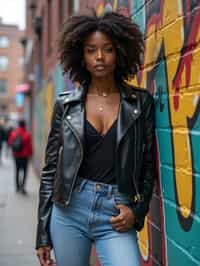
[{"x": 86, "y": 220}]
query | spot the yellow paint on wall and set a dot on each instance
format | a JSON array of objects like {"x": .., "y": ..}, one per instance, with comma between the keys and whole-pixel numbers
[
  {"x": 49, "y": 101},
  {"x": 115, "y": 4},
  {"x": 100, "y": 9},
  {"x": 143, "y": 241}
]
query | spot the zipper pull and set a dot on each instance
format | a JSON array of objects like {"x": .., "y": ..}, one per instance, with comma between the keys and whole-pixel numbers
[{"x": 137, "y": 198}]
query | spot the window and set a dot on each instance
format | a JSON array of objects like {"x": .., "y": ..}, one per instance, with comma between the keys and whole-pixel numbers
[
  {"x": 3, "y": 86},
  {"x": 76, "y": 6},
  {"x": 3, "y": 63},
  {"x": 4, "y": 42}
]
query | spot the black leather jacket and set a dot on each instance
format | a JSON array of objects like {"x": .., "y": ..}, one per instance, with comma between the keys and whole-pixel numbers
[{"x": 135, "y": 153}]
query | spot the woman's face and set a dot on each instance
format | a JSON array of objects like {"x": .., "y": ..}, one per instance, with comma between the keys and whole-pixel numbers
[{"x": 99, "y": 54}]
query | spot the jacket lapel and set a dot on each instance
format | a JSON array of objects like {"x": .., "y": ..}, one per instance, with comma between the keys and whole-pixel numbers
[
  {"x": 75, "y": 116},
  {"x": 129, "y": 111}
]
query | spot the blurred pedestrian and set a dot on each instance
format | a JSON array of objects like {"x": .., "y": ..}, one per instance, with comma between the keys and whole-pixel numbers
[
  {"x": 7, "y": 130},
  {"x": 97, "y": 180},
  {"x": 2, "y": 137},
  {"x": 21, "y": 145}
]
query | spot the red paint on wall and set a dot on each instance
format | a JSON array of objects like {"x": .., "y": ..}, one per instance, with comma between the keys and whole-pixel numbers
[{"x": 186, "y": 59}]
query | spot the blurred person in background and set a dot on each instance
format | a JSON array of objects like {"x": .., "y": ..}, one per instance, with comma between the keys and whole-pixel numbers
[
  {"x": 21, "y": 144},
  {"x": 2, "y": 138},
  {"x": 7, "y": 129},
  {"x": 97, "y": 180}
]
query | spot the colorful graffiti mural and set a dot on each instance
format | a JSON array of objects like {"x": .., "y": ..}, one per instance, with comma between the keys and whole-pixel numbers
[{"x": 171, "y": 72}]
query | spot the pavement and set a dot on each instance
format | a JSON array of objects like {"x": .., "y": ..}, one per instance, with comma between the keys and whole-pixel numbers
[{"x": 18, "y": 217}]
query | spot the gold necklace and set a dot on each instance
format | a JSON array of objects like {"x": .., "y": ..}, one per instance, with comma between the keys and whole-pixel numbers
[
  {"x": 100, "y": 106},
  {"x": 103, "y": 94}
]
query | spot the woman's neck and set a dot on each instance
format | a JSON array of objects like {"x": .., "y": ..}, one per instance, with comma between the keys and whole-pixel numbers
[{"x": 103, "y": 85}]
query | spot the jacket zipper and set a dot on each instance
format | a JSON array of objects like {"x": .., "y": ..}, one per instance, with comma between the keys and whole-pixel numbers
[
  {"x": 75, "y": 177},
  {"x": 60, "y": 150},
  {"x": 137, "y": 197}
]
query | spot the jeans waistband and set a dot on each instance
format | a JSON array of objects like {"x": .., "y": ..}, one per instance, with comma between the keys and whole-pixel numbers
[{"x": 97, "y": 187}]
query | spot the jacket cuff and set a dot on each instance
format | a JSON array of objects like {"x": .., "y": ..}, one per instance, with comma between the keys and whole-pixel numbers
[
  {"x": 140, "y": 211},
  {"x": 43, "y": 240}
]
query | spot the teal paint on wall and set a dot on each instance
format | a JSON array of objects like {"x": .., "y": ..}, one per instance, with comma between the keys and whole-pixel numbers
[
  {"x": 58, "y": 81},
  {"x": 138, "y": 14}
]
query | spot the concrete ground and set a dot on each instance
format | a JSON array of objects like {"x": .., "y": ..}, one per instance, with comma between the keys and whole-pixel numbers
[{"x": 18, "y": 216}]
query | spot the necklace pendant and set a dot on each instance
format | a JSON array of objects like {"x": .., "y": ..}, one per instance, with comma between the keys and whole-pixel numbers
[{"x": 100, "y": 108}]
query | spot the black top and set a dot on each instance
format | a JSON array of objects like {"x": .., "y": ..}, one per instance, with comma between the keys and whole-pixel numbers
[{"x": 99, "y": 154}]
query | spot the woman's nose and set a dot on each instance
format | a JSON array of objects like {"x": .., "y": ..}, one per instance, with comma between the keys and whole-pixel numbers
[{"x": 99, "y": 54}]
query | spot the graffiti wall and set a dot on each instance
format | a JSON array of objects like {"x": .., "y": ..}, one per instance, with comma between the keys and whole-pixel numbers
[
  {"x": 171, "y": 72},
  {"x": 44, "y": 101}
]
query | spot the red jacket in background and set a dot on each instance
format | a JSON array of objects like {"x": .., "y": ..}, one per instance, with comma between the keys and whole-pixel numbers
[{"x": 26, "y": 151}]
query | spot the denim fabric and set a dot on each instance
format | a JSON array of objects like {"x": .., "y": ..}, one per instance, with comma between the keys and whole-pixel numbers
[{"x": 86, "y": 220}]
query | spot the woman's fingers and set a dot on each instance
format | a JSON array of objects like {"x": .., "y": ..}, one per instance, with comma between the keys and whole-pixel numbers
[
  {"x": 44, "y": 255},
  {"x": 124, "y": 220},
  {"x": 117, "y": 219}
]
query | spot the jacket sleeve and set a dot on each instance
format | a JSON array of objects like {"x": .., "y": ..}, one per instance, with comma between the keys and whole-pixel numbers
[
  {"x": 148, "y": 172},
  {"x": 47, "y": 177}
]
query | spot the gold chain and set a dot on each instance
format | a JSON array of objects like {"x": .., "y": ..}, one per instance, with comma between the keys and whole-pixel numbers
[{"x": 102, "y": 94}]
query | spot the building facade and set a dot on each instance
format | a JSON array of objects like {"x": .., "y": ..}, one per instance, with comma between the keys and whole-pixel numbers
[
  {"x": 11, "y": 67},
  {"x": 171, "y": 73},
  {"x": 43, "y": 73}
]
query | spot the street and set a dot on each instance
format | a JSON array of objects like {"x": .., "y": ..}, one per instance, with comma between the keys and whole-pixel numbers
[{"x": 17, "y": 218}]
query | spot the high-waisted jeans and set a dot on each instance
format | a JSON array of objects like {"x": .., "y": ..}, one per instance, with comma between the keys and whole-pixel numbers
[{"x": 86, "y": 220}]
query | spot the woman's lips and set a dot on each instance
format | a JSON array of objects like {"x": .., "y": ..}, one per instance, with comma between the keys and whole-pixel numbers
[{"x": 99, "y": 67}]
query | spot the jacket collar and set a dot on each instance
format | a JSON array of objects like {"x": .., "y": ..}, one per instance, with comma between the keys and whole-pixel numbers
[
  {"x": 129, "y": 109},
  {"x": 127, "y": 92},
  {"x": 79, "y": 93}
]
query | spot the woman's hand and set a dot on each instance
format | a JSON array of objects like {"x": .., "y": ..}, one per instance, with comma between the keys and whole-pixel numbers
[
  {"x": 125, "y": 220},
  {"x": 44, "y": 256}
]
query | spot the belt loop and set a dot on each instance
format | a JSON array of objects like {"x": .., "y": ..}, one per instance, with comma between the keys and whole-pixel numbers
[{"x": 81, "y": 184}]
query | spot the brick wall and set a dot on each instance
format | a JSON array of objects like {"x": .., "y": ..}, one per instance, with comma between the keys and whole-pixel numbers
[{"x": 14, "y": 53}]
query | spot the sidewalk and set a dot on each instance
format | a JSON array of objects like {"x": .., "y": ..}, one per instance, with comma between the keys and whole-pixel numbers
[{"x": 17, "y": 218}]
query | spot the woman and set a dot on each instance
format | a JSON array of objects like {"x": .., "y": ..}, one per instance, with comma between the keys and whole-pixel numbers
[{"x": 98, "y": 175}]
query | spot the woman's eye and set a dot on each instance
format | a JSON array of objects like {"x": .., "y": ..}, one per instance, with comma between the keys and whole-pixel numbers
[
  {"x": 109, "y": 50},
  {"x": 90, "y": 51}
]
